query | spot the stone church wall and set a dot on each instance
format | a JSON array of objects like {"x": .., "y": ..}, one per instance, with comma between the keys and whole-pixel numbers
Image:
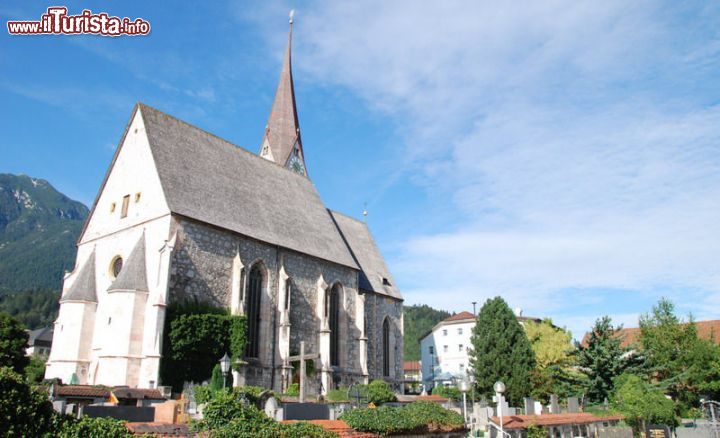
[
  {"x": 202, "y": 270},
  {"x": 377, "y": 308}
]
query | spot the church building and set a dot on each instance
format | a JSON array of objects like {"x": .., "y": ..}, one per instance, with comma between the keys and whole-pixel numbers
[{"x": 185, "y": 215}]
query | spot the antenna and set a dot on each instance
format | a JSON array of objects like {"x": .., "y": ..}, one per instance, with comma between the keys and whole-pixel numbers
[{"x": 292, "y": 14}]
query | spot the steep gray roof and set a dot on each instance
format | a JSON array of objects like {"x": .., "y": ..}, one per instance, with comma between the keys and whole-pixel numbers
[
  {"x": 133, "y": 276},
  {"x": 44, "y": 334},
  {"x": 375, "y": 275},
  {"x": 213, "y": 181},
  {"x": 83, "y": 288}
]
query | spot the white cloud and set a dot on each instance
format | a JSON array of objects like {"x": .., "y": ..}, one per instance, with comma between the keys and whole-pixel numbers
[{"x": 578, "y": 143}]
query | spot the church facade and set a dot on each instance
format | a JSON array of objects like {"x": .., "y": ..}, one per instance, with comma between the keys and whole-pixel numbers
[{"x": 184, "y": 215}]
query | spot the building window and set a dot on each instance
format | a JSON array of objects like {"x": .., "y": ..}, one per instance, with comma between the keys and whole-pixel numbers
[
  {"x": 460, "y": 330},
  {"x": 115, "y": 267},
  {"x": 334, "y": 320},
  {"x": 445, "y": 332},
  {"x": 432, "y": 350},
  {"x": 125, "y": 204},
  {"x": 460, "y": 348},
  {"x": 112, "y": 207},
  {"x": 137, "y": 197},
  {"x": 462, "y": 367},
  {"x": 254, "y": 294},
  {"x": 445, "y": 348},
  {"x": 386, "y": 347}
]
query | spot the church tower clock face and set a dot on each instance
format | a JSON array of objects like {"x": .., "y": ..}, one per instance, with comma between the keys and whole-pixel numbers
[{"x": 295, "y": 164}]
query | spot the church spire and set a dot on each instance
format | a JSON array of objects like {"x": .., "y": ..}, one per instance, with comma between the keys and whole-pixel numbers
[{"x": 281, "y": 142}]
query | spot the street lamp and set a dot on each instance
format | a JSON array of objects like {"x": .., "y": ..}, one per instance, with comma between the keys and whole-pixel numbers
[
  {"x": 464, "y": 389},
  {"x": 499, "y": 388},
  {"x": 474, "y": 303},
  {"x": 225, "y": 367}
]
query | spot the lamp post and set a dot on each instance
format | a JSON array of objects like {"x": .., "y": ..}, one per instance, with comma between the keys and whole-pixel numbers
[
  {"x": 464, "y": 389},
  {"x": 499, "y": 388},
  {"x": 225, "y": 367},
  {"x": 474, "y": 303}
]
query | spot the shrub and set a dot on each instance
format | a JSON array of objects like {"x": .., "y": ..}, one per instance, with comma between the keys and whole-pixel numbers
[
  {"x": 88, "y": 427},
  {"x": 225, "y": 416},
  {"x": 448, "y": 392},
  {"x": 13, "y": 342},
  {"x": 24, "y": 411},
  {"x": 536, "y": 432},
  {"x": 293, "y": 390},
  {"x": 251, "y": 393},
  {"x": 338, "y": 395},
  {"x": 415, "y": 418},
  {"x": 379, "y": 392}
]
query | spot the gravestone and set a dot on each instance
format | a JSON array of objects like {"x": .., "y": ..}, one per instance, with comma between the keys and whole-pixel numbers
[
  {"x": 529, "y": 405},
  {"x": 306, "y": 411},
  {"x": 658, "y": 431},
  {"x": 538, "y": 408},
  {"x": 271, "y": 407},
  {"x": 573, "y": 405},
  {"x": 554, "y": 405}
]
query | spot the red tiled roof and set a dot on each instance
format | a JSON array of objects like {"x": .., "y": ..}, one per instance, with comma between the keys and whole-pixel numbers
[
  {"x": 339, "y": 427},
  {"x": 545, "y": 420},
  {"x": 459, "y": 316},
  {"x": 432, "y": 398},
  {"x": 630, "y": 336},
  {"x": 137, "y": 393},
  {"x": 411, "y": 365},
  {"x": 158, "y": 429},
  {"x": 83, "y": 391}
]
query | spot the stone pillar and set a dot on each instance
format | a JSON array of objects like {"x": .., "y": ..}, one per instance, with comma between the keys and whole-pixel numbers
[
  {"x": 322, "y": 313},
  {"x": 360, "y": 323},
  {"x": 284, "y": 341},
  {"x": 237, "y": 286}
]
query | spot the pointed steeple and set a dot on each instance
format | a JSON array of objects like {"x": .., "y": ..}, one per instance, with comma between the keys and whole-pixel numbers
[{"x": 281, "y": 142}]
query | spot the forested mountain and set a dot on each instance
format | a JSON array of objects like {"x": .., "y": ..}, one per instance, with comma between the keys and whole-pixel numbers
[
  {"x": 418, "y": 321},
  {"x": 38, "y": 230}
]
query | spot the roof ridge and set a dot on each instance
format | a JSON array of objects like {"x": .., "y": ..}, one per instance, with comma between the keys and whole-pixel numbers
[{"x": 229, "y": 143}]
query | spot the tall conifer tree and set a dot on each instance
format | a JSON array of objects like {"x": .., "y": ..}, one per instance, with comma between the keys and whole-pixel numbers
[{"x": 501, "y": 351}]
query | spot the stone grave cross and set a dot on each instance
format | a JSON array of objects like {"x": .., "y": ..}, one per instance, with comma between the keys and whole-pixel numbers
[{"x": 302, "y": 357}]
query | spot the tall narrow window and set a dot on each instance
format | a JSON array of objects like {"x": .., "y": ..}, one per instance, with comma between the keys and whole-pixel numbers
[
  {"x": 254, "y": 293},
  {"x": 386, "y": 347},
  {"x": 288, "y": 292},
  {"x": 126, "y": 202},
  {"x": 334, "y": 316}
]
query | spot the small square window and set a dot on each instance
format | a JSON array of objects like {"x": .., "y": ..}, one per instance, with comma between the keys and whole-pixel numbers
[
  {"x": 462, "y": 367},
  {"x": 432, "y": 350},
  {"x": 460, "y": 348},
  {"x": 125, "y": 204},
  {"x": 444, "y": 332},
  {"x": 460, "y": 331},
  {"x": 445, "y": 348}
]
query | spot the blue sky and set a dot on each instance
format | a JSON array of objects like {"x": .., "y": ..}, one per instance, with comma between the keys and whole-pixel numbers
[{"x": 562, "y": 154}]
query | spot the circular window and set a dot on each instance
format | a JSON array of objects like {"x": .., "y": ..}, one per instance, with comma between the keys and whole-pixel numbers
[{"x": 116, "y": 266}]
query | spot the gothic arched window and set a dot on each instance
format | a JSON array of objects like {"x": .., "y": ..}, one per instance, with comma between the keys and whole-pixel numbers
[
  {"x": 254, "y": 294},
  {"x": 334, "y": 320},
  {"x": 386, "y": 347}
]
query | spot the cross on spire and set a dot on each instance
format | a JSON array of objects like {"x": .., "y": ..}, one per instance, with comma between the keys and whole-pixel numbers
[{"x": 282, "y": 142}]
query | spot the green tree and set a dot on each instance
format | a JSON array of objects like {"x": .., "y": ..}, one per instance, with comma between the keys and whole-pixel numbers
[
  {"x": 602, "y": 358},
  {"x": 501, "y": 351},
  {"x": 555, "y": 359},
  {"x": 419, "y": 319},
  {"x": 13, "y": 342},
  {"x": 24, "y": 411},
  {"x": 642, "y": 404},
  {"x": 35, "y": 371},
  {"x": 677, "y": 358},
  {"x": 379, "y": 392},
  {"x": 216, "y": 380}
]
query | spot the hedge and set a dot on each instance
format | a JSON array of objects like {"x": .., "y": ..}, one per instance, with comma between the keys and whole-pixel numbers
[
  {"x": 196, "y": 337},
  {"x": 415, "y": 418}
]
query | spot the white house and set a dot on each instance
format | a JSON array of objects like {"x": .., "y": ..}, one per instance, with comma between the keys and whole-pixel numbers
[{"x": 444, "y": 349}]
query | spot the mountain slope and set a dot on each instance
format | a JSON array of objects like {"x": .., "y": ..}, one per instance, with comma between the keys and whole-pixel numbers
[
  {"x": 38, "y": 230},
  {"x": 418, "y": 321}
]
